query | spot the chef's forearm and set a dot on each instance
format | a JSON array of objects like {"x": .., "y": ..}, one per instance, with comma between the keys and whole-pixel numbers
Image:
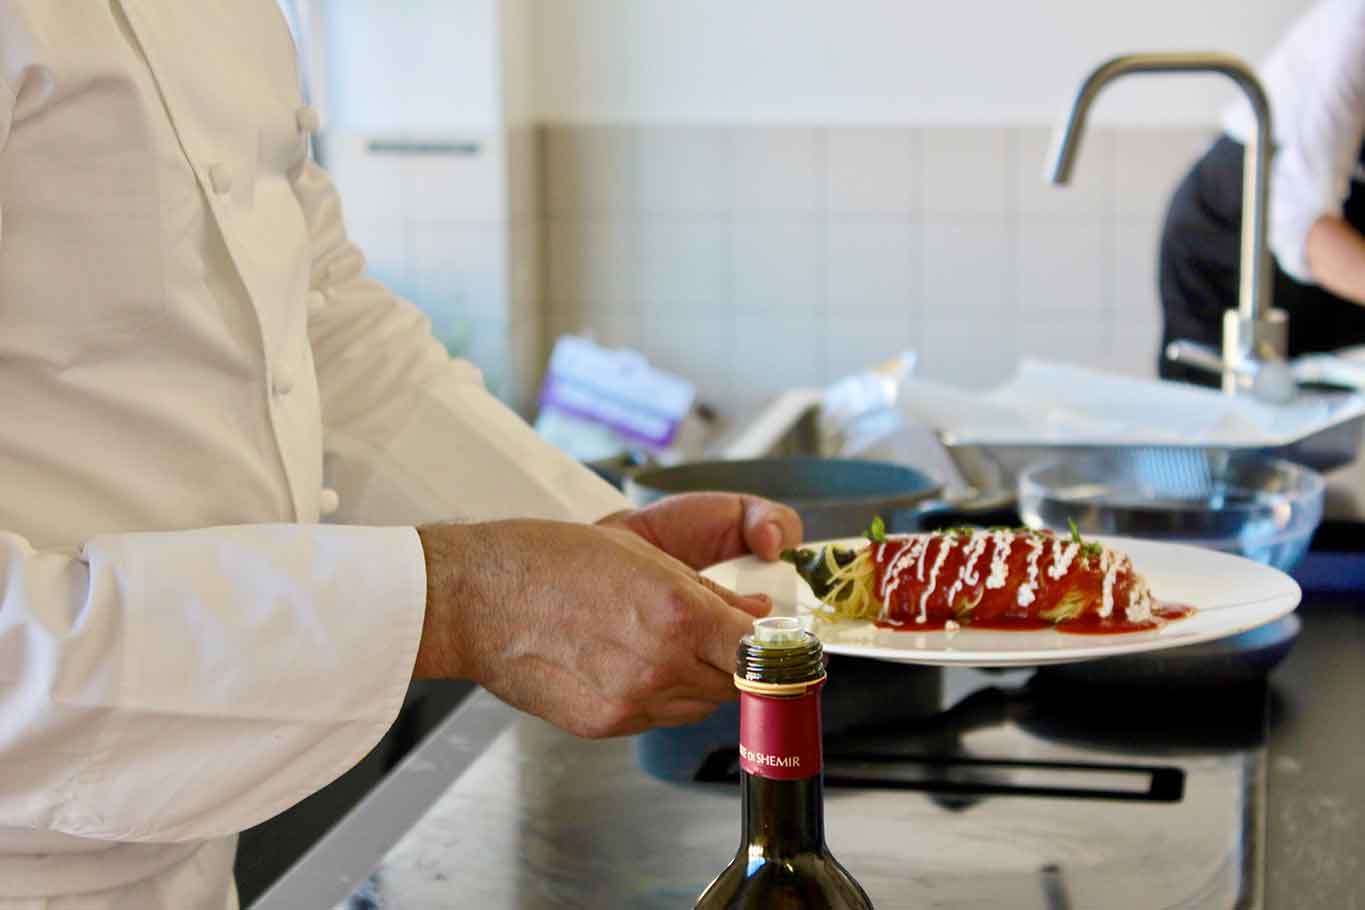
[{"x": 1336, "y": 256}]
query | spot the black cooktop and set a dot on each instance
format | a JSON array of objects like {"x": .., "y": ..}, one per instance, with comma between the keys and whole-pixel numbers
[{"x": 1151, "y": 795}]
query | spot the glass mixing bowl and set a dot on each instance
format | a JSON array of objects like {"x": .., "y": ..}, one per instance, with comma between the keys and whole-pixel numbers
[{"x": 1255, "y": 506}]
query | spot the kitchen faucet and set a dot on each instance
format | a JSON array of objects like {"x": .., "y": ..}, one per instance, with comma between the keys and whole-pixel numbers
[{"x": 1255, "y": 335}]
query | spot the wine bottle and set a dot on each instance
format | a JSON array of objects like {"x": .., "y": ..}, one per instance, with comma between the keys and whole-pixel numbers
[{"x": 782, "y": 860}]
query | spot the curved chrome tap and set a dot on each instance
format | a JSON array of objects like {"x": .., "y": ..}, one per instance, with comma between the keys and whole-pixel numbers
[{"x": 1251, "y": 333}]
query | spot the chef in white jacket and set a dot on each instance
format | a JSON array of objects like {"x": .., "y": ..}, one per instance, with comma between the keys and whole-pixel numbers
[{"x": 193, "y": 370}]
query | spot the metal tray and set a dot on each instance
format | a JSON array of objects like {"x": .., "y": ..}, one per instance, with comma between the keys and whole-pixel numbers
[
  {"x": 993, "y": 469},
  {"x": 1328, "y": 448}
]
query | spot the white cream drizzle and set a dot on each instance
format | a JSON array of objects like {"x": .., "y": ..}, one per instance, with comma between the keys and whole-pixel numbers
[
  {"x": 969, "y": 575},
  {"x": 1004, "y": 542},
  {"x": 923, "y": 553},
  {"x": 1110, "y": 567},
  {"x": 1138, "y": 607},
  {"x": 965, "y": 575},
  {"x": 892, "y": 579},
  {"x": 1062, "y": 557},
  {"x": 945, "y": 544},
  {"x": 1027, "y": 589},
  {"x": 1139, "y": 601}
]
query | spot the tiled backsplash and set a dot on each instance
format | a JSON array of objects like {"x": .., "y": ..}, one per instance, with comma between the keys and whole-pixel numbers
[{"x": 752, "y": 259}]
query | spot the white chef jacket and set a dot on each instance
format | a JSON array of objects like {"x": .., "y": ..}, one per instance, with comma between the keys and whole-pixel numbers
[
  {"x": 193, "y": 365},
  {"x": 1314, "y": 79}
]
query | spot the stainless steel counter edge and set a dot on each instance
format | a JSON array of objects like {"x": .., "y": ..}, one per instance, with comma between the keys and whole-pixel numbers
[{"x": 338, "y": 863}]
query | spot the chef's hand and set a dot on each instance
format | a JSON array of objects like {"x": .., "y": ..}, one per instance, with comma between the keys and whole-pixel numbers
[
  {"x": 702, "y": 529},
  {"x": 592, "y": 628}
]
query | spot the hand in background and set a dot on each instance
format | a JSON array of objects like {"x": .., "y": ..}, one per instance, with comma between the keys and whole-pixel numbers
[{"x": 701, "y": 529}]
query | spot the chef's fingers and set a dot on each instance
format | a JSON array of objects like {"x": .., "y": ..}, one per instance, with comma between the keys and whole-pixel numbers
[
  {"x": 714, "y": 631},
  {"x": 769, "y": 527},
  {"x": 680, "y": 711},
  {"x": 756, "y": 605},
  {"x": 707, "y": 684}
]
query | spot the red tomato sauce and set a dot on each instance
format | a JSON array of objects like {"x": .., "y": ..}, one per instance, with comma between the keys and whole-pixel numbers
[
  {"x": 1162, "y": 613},
  {"x": 927, "y": 581}
]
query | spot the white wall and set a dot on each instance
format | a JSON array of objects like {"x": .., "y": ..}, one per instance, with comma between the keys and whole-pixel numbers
[
  {"x": 418, "y": 66},
  {"x": 905, "y": 62}
]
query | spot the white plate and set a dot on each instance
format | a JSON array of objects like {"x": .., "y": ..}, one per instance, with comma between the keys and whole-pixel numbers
[{"x": 1230, "y": 595}]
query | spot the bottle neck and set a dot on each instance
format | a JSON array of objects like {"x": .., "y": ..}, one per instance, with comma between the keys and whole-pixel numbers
[
  {"x": 782, "y": 817},
  {"x": 780, "y": 767}
]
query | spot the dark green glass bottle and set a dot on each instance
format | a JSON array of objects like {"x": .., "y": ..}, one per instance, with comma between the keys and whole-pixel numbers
[{"x": 782, "y": 863}]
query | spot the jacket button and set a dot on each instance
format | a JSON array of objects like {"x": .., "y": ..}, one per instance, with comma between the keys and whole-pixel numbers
[
  {"x": 308, "y": 119},
  {"x": 283, "y": 383},
  {"x": 317, "y": 302},
  {"x": 220, "y": 176},
  {"x": 328, "y": 502}
]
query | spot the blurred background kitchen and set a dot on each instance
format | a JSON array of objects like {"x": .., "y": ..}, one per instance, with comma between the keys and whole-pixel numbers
[
  {"x": 750, "y": 198},
  {"x": 770, "y": 194}
]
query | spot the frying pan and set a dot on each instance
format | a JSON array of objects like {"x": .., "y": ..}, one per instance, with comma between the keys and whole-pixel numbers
[{"x": 835, "y": 497}]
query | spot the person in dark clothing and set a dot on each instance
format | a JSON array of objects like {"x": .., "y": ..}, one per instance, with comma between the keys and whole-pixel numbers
[{"x": 1315, "y": 81}]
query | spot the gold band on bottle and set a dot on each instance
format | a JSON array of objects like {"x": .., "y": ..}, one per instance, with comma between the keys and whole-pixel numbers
[{"x": 778, "y": 689}]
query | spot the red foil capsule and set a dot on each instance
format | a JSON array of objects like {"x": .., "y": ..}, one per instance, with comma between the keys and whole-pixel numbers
[{"x": 779, "y": 735}]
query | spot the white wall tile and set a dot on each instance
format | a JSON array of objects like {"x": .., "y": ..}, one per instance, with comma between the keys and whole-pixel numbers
[
  {"x": 968, "y": 171},
  {"x": 699, "y": 343},
  {"x": 685, "y": 170},
  {"x": 1065, "y": 335},
  {"x": 1149, "y": 163},
  {"x": 372, "y": 187},
  {"x": 387, "y": 245},
  {"x": 855, "y": 342},
  {"x": 972, "y": 353},
  {"x": 1137, "y": 301},
  {"x": 458, "y": 187},
  {"x": 1063, "y": 265},
  {"x": 683, "y": 261},
  {"x": 818, "y": 261},
  {"x": 968, "y": 269},
  {"x": 461, "y": 267},
  {"x": 779, "y": 169},
  {"x": 591, "y": 260},
  {"x": 773, "y": 353},
  {"x": 779, "y": 266},
  {"x": 486, "y": 346},
  {"x": 871, "y": 266},
  {"x": 1134, "y": 274},
  {"x": 1135, "y": 347},
  {"x": 1090, "y": 192},
  {"x": 590, "y": 169},
  {"x": 872, "y": 171},
  {"x": 458, "y": 280}
]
